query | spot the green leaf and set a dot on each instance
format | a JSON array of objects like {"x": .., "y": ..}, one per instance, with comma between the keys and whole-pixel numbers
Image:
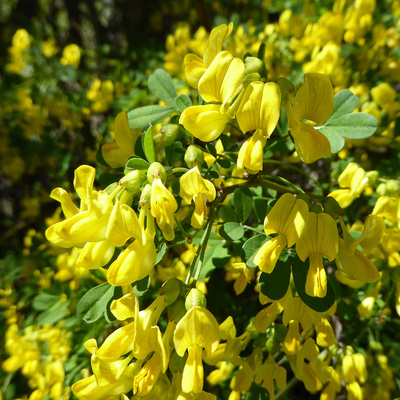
[
  {"x": 161, "y": 252},
  {"x": 161, "y": 85},
  {"x": 211, "y": 149},
  {"x": 336, "y": 141},
  {"x": 140, "y": 287},
  {"x": 231, "y": 231},
  {"x": 217, "y": 256},
  {"x": 174, "y": 153},
  {"x": 243, "y": 202},
  {"x": 148, "y": 145},
  {"x": 143, "y": 116},
  {"x": 354, "y": 126},
  {"x": 182, "y": 102},
  {"x": 94, "y": 302},
  {"x": 224, "y": 163},
  {"x": 320, "y": 304},
  {"x": 345, "y": 103},
  {"x": 136, "y": 162},
  {"x": 251, "y": 247},
  {"x": 275, "y": 284},
  {"x": 44, "y": 301},
  {"x": 227, "y": 214}
]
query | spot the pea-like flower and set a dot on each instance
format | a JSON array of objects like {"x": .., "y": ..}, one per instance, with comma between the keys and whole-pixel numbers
[{"x": 195, "y": 188}]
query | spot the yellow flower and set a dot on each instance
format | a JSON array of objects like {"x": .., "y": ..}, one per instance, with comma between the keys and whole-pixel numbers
[
  {"x": 259, "y": 110},
  {"x": 116, "y": 154},
  {"x": 319, "y": 238},
  {"x": 163, "y": 207},
  {"x": 198, "y": 329},
  {"x": 195, "y": 67},
  {"x": 71, "y": 55},
  {"x": 268, "y": 373},
  {"x": 354, "y": 179},
  {"x": 350, "y": 261},
  {"x": 139, "y": 258},
  {"x": 313, "y": 101},
  {"x": 49, "y": 47},
  {"x": 220, "y": 83},
  {"x": 287, "y": 218},
  {"x": 195, "y": 187}
]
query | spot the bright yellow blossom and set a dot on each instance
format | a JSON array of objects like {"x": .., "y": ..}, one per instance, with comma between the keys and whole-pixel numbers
[
  {"x": 287, "y": 218},
  {"x": 259, "y": 110},
  {"x": 319, "y": 238},
  {"x": 195, "y": 187},
  {"x": 314, "y": 102}
]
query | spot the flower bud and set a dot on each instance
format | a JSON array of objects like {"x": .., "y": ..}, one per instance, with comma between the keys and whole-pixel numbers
[
  {"x": 392, "y": 187},
  {"x": 255, "y": 66},
  {"x": 171, "y": 290},
  {"x": 272, "y": 345},
  {"x": 194, "y": 156},
  {"x": 156, "y": 170},
  {"x": 132, "y": 181},
  {"x": 372, "y": 177},
  {"x": 195, "y": 298},
  {"x": 171, "y": 132},
  {"x": 145, "y": 196}
]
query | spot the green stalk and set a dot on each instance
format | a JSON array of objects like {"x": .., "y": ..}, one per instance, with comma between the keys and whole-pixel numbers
[{"x": 197, "y": 262}]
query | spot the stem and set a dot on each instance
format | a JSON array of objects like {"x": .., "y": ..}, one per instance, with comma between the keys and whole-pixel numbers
[
  {"x": 180, "y": 226},
  {"x": 197, "y": 262},
  {"x": 289, "y": 385},
  {"x": 264, "y": 183}
]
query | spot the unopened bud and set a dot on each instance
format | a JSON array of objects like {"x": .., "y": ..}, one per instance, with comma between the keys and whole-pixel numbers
[
  {"x": 253, "y": 65},
  {"x": 171, "y": 290},
  {"x": 372, "y": 177},
  {"x": 156, "y": 170},
  {"x": 332, "y": 207},
  {"x": 272, "y": 345},
  {"x": 171, "y": 133},
  {"x": 194, "y": 156},
  {"x": 132, "y": 181},
  {"x": 392, "y": 186},
  {"x": 381, "y": 189},
  {"x": 145, "y": 196},
  {"x": 195, "y": 298}
]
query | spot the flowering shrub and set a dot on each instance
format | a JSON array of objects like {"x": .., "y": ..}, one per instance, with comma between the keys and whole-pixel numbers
[{"x": 238, "y": 239}]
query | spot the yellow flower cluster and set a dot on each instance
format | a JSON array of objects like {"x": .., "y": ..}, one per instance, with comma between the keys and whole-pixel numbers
[{"x": 39, "y": 353}]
